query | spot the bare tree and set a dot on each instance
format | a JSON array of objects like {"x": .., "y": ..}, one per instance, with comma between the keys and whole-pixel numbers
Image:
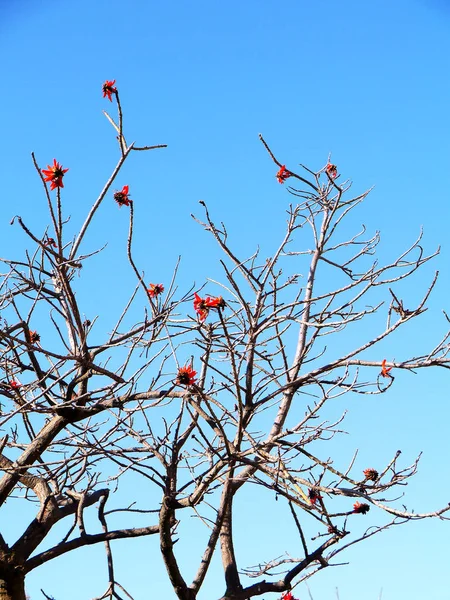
[{"x": 199, "y": 396}]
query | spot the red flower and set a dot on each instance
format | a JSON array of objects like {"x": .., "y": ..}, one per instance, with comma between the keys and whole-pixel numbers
[
  {"x": 49, "y": 242},
  {"x": 15, "y": 384},
  {"x": 54, "y": 173},
  {"x": 201, "y": 307},
  {"x": 288, "y": 596},
  {"x": 34, "y": 337},
  {"x": 218, "y": 302},
  {"x": 283, "y": 174},
  {"x": 361, "y": 508},
  {"x": 109, "y": 89},
  {"x": 186, "y": 375},
  {"x": 331, "y": 170},
  {"x": 155, "y": 289},
  {"x": 371, "y": 474},
  {"x": 385, "y": 370},
  {"x": 122, "y": 197},
  {"x": 314, "y": 496}
]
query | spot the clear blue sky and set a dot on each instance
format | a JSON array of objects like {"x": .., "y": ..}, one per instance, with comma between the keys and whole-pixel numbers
[{"x": 368, "y": 82}]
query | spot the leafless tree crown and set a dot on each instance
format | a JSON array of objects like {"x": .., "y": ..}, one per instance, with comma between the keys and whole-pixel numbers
[{"x": 201, "y": 394}]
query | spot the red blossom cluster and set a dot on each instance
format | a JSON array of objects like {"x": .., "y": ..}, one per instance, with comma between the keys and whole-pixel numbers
[
  {"x": 283, "y": 174},
  {"x": 49, "y": 241},
  {"x": 108, "y": 89},
  {"x": 34, "y": 337},
  {"x": 186, "y": 375},
  {"x": 385, "y": 370},
  {"x": 54, "y": 174},
  {"x": 288, "y": 596},
  {"x": 314, "y": 496},
  {"x": 155, "y": 289},
  {"x": 122, "y": 198},
  {"x": 15, "y": 384},
  {"x": 361, "y": 508},
  {"x": 202, "y": 306},
  {"x": 371, "y": 474},
  {"x": 331, "y": 170}
]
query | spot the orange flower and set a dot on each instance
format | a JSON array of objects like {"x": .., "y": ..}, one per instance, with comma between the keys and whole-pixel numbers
[
  {"x": 385, "y": 370},
  {"x": 314, "y": 496},
  {"x": 283, "y": 174},
  {"x": 109, "y": 89},
  {"x": 371, "y": 474},
  {"x": 155, "y": 289},
  {"x": 361, "y": 508},
  {"x": 54, "y": 173},
  {"x": 122, "y": 197},
  {"x": 186, "y": 375},
  {"x": 331, "y": 170}
]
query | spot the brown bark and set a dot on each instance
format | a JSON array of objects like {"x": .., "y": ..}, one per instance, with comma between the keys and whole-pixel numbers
[
  {"x": 12, "y": 588},
  {"x": 166, "y": 520},
  {"x": 232, "y": 579}
]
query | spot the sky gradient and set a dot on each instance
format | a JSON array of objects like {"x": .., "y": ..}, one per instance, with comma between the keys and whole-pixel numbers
[{"x": 366, "y": 82}]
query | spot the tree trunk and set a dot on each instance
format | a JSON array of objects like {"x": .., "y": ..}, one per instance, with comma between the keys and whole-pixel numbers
[{"x": 12, "y": 588}]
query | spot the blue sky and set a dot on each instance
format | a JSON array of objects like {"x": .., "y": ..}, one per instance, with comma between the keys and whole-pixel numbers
[{"x": 367, "y": 82}]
